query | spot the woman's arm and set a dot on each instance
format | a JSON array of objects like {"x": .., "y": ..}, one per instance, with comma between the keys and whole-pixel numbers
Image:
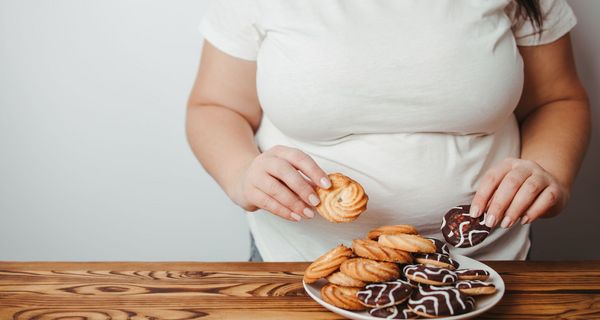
[
  {"x": 554, "y": 116},
  {"x": 223, "y": 114}
]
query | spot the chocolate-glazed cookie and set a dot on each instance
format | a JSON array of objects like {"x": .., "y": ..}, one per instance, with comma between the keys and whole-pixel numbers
[
  {"x": 429, "y": 275},
  {"x": 385, "y": 294},
  {"x": 434, "y": 301},
  {"x": 472, "y": 274},
  {"x": 462, "y": 231},
  {"x": 394, "y": 312},
  {"x": 440, "y": 246},
  {"x": 475, "y": 287},
  {"x": 436, "y": 260}
]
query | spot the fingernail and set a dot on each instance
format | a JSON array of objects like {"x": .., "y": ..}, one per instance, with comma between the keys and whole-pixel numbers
[
  {"x": 314, "y": 200},
  {"x": 506, "y": 222},
  {"x": 474, "y": 212},
  {"x": 490, "y": 221},
  {"x": 325, "y": 183},
  {"x": 524, "y": 220},
  {"x": 511, "y": 223},
  {"x": 295, "y": 216},
  {"x": 309, "y": 213}
]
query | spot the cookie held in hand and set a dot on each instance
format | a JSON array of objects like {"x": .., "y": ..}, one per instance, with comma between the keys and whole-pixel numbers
[
  {"x": 461, "y": 230},
  {"x": 344, "y": 201}
]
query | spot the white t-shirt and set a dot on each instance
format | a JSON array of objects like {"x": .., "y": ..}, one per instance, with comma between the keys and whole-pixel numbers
[{"x": 413, "y": 99}]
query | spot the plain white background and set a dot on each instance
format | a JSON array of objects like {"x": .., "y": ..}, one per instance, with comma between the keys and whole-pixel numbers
[{"x": 94, "y": 164}]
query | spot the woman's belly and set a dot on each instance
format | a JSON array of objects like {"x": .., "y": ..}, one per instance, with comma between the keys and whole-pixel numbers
[{"x": 410, "y": 179}]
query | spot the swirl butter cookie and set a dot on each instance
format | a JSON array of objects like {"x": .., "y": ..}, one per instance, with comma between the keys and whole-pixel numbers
[
  {"x": 370, "y": 270},
  {"x": 373, "y": 250},
  {"x": 327, "y": 263},
  {"x": 385, "y": 294},
  {"x": 429, "y": 275},
  {"x": 475, "y": 287},
  {"x": 433, "y": 301},
  {"x": 344, "y": 201},
  {"x": 394, "y": 312},
  {"x": 341, "y": 297},
  {"x": 344, "y": 280},
  {"x": 462, "y": 231},
  {"x": 437, "y": 260},
  {"x": 472, "y": 274},
  {"x": 407, "y": 242},
  {"x": 393, "y": 229}
]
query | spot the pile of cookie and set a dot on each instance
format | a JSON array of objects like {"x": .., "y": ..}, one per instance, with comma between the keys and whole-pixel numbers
[{"x": 397, "y": 274}]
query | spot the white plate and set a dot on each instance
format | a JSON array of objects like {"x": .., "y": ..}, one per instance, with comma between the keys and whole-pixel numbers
[{"x": 482, "y": 303}]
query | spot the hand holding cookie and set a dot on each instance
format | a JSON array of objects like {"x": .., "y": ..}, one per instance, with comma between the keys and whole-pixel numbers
[
  {"x": 518, "y": 190},
  {"x": 274, "y": 181}
]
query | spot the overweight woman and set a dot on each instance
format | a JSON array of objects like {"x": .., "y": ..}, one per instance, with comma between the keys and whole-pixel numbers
[{"x": 428, "y": 104}]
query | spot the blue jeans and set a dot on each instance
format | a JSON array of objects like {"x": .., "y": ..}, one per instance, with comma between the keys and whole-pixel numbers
[{"x": 254, "y": 254}]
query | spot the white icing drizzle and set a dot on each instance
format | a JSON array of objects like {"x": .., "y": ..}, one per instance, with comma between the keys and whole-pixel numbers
[
  {"x": 437, "y": 257},
  {"x": 405, "y": 312},
  {"x": 395, "y": 285},
  {"x": 469, "y": 235},
  {"x": 461, "y": 233},
  {"x": 443, "y": 249},
  {"x": 475, "y": 272},
  {"x": 449, "y": 276},
  {"x": 394, "y": 312},
  {"x": 474, "y": 283},
  {"x": 435, "y": 294}
]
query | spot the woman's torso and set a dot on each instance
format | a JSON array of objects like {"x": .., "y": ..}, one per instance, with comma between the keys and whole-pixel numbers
[{"x": 414, "y": 99}]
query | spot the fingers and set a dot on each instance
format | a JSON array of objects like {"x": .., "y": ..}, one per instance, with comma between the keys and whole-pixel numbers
[
  {"x": 524, "y": 198},
  {"x": 544, "y": 202},
  {"x": 283, "y": 195},
  {"x": 504, "y": 194},
  {"x": 283, "y": 178},
  {"x": 517, "y": 188},
  {"x": 265, "y": 202},
  {"x": 304, "y": 163},
  {"x": 488, "y": 185},
  {"x": 283, "y": 170}
]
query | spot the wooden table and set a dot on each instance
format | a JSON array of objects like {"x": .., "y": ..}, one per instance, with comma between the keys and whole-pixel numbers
[{"x": 122, "y": 290}]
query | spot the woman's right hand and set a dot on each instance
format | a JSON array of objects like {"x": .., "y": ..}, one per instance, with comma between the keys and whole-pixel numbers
[{"x": 272, "y": 181}]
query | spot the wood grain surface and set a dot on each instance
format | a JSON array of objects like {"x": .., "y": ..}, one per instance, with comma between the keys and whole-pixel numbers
[{"x": 247, "y": 290}]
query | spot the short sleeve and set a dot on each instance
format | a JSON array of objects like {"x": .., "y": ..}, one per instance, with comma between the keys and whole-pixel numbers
[
  {"x": 558, "y": 19},
  {"x": 230, "y": 26}
]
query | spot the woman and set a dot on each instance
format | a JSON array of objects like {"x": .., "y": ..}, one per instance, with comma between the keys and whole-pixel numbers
[{"x": 428, "y": 104}]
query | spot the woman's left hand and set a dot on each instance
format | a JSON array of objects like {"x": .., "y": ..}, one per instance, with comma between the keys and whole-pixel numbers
[{"x": 518, "y": 188}]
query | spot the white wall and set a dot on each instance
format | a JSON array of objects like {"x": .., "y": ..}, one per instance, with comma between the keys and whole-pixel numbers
[
  {"x": 94, "y": 164},
  {"x": 93, "y": 159}
]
